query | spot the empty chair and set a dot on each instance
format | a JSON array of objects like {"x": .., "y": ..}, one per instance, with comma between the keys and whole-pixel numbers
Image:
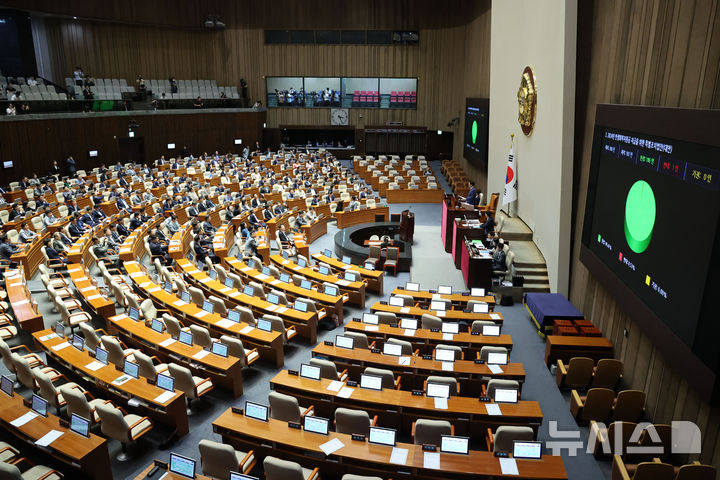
[
  {"x": 7, "y": 453},
  {"x": 74, "y": 319},
  {"x": 277, "y": 469},
  {"x": 387, "y": 318},
  {"x": 607, "y": 373},
  {"x": 350, "y": 421},
  {"x": 236, "y": 349},
  {"x": 431, "y": 321},
  {"x": 454, "y": 348},
  {"x": 596, "y": 405},
  {"x": 477, "y": 325},
  {"x": 393, "y": 257},
  {"x": 219, "y": 459},
  {"x": 201, "y": 336},
  {"x": 495, "y": 383},
  {"x": 246, "y": 315},
  {"x": 430, "y": 432},
  {"x": 629, "y": 406},
  {"x": 9, "y": 471},
  {"x": 408, "y": 301},
  {"x": 49, "y": 392},
  {"x": 124, "y": 428},
  {"x": 77, "y": 402},
  {"x": 353, "y": 276},
  {"x": 405, "y": 346},
  {"x": 219, "y": 306},
  {"x": 278, "y": 325},
  {"x": 282, "y": 299},
  {"x": 373, "y": 255},
  {"x": 6, "y": 352},
  {"x": 193, "y": 387},
  {"x": 328, "y": 369},
  {"x": 147, "y": 307},
  {"x": 577, "y": 374},
  {"x": 196, "y": 295},
  {"x": 89, "y": 334},
  {"x": 360, "y": 340},
  {"x": 388, "y": 377},
  {"x": 25, "y": 374},
  {"x": 503, "y": 438},
  {"x": 643, "y": 471},
  {"x": 696, "y": 471},
  {"x": 117, "y": 353},
  {"x": 172, "y": 325},
  {"x": 258, "y": 290},
  {"x": 485, "y": 351},
  {"x": 451, "y": 382},
  {"x": 147, "y": 367},
  {"x": 285, "y": 408},
  {"x": 605, "y": 439}
]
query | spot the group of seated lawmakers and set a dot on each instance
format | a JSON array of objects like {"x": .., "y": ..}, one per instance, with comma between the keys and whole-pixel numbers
[{"x": 297, "y": 98}]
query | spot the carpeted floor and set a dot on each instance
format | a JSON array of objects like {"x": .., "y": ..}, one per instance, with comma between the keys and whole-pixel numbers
[{"x": 431, "y": 266}]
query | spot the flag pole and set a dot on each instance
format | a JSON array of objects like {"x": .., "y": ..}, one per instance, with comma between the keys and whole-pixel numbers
[{"x": 510, "y": 205}]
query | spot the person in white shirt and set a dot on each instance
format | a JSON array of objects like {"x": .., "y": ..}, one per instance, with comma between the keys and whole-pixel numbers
[
  {"x": 25, "y": 234},
  {"x": 10, "y": 110},
  {"x": 15, "y": 97},
  {"x": 32, "y": 82}
]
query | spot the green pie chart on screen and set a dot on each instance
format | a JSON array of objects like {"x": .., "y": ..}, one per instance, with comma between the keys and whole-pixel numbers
[
  {"x": 640, "y": 211},
  {"x": 474, "y": 131}
]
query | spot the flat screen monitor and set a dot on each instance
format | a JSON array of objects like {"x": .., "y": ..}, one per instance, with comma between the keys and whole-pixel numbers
[
  {"x": 183, "y": 466},
  {"x": 273, "y": 298},
  {"x": 300, "y": 306},
  {"x": 382, "y": 436},
  {"x": 234, "y": 316},
  {"x": 208, "y": 306},
  {"x": 371, "y": 382},
  {"x": 498, "y": 358},
  {"x": 438, "y": 305},
  {"x": 101, "y": 355},
  {"x": 256, "y": 411},
  {"x": 306, "y": 284},
  {"x": 370, "y": 318},
  {"x": 506, "y": 395},
  {"x": 264, "y": 325},
  {"x": 409, "y": 323},
  {"x": 392, "y": 349},
  {"x": 7, "y": 164},
  {"x": 167, "y": 286},
  {"x": 315, "y": 424},
  {"x": 170, "y": 146},
  {"x": 241, "y": 476},
  {"x": 412, "y": 287},
  {"x": 212, "y": 274},
  {"x": 444, "y": 290},
  {"x": 80, "y": 425},
  {"x": 450, "y": 327},
  {"x": 309, "y": 371},
  {"x": 530, "y": 450},
  {"x": 134, "y": 314},
  {"x": 346, "y": 259},
  {"x": 266, "y": 270},
  {"x": 324, "y": 270},
  {"x": 131, "y": 368},
  {"x": 438, "y": 390},
  {"x": 453, "y": 444},
  {"x": 284, "y": 277},
  {"x": 157, "y": 325},
  {"x": 237, "y": 141},
  {"x": 219, "y": 348},
  {"x": 477, "y": 292},
  {"x": 491, "y": 330},
  {"x": 185, "y": 337},
  {"x": 185, "y": 297},
  {"x": 481, "y": 308},
  {"x": 78, "y": 342},
  {"x": 59, "y": 329},
  {"x": 6, "y": 385},
  {"x": 327, "y": 253},
  {"x": 331, "y": 290},
  {"x": 249, "y": 291},
  {"x": 397, "y": 302},
  {"x": 229, "y": 282},
  {"x": 344, "y": 342},
  {"x": 285, "y": 255},
  {"x": 93, "y": 153},
  {"x": 166, "y": 382},
  {"x": 444, "y": 355},
  {"x": 369, "y": 266},
  {"x": 39, "y": 405},
  {"x": 301, "y": 262},
  {"x": 349, "y": 276}
]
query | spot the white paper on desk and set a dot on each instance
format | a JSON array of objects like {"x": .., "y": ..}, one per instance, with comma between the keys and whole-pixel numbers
[
  {"x": 275, "y": 282},
  {"x": 247, "y": 329},
  {"x": 493, "y": 409},
  {"x": 272, "y": 308},
  {"x": 87, "y": 289},
  {"x": 154, "y": 289},
  {"x": 332, "y": 446},
  {"x": 22, "y": 420},
  {"x": 399, "y": 456},
  {"x": 144, "y": 284},
  {"x": 194, "y": 271},
  {"x": 179, "y": 303},
  {"x": 447, "y": 366},
  {"x": 225, "y": 323},
  {"x": 342, "y": 282},
  {"x": 261, "y": 276},
  {"x": 495, "y": 316},
  {"x": 167, "y": 342},
  {"x": 321, "y": 314},
  {"x": 48, "y": 438},
  {"x": 281, "y": 310},
  {"x": 81, "y": 279},
  {"x": 94, "y": 366},
  {"x": 447, "y": 336},
  {"x": 73, "y": 270},
  {"x": 409, "y": 332},
  {"x": 121, "y": 379},
  {"x": 371, "y": 328},
  {"x": 47, "y": 337},
  {"x": 404, "y": 309},
  {"x": 225, "y": 290},
  {"x": 440, "y": 314},
  {"x": 403, "y": 360},
  {"x": 441, "y": 403},
  {"x": 201, "y": 314},
  {"x": 201, "y": 354},
  {"x": 94, "y": 297},
  {"x": 205, "y": 280},
  {"x": 136, "y": 274},
  {"x": 495, "y": 369},
  {"x": 345, "y": 392},
  {"x": 164, "y": 397},
  {"x": 508, "y": 466},
  {"x": 245, "y": 269},
  {"x": 345, "y": 267},
  {"x": 335, "y": 385},
  {"x": 234, "y": 294},
  {"x": 431, "y": 460},
  {"x": 21, "y": 302},
  {"x": 60, "y": 346}
]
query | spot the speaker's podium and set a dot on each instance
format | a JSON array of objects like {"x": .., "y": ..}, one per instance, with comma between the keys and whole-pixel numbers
[{"x": 407, "y": 226}]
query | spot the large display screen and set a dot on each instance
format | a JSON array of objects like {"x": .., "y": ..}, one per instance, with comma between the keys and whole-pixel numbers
[
  {"x": 475, "y": 139},
  {"x": 651, "y": 217}
]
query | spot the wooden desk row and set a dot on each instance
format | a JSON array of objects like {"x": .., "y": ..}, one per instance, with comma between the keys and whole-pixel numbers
[
  {"x": 562, "y": 347},
  {"x": 304, "y": 322},
  {"x": 30, "y": 256},
  {"x": 459, "y": 299},
  {"x": 374, "y": 278},
  {"x": 170, "y": 411},
  {"x": 269, "y": 344},
  {"x": 94, "y": 298},
  {"x": 448, "y": 315},
  {"x": 348, "y": 219},
  {"x": 276, "y": 438},
  {"x": 24, "y": 307}
]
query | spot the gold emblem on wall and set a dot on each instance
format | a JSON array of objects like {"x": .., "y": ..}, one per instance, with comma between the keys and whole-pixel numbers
[{"x": 527, "y": 101}]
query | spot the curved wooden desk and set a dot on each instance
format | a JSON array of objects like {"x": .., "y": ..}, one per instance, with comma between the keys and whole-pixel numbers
[
  {"x": 96, "y": 300},
  {"x": 348, "y": 219},
  {"x": 374, "y": 278},
  {"x": 449, "y": 315},
  {"x": 24, "y": 307},
  {"x": 456, "y": 298}
]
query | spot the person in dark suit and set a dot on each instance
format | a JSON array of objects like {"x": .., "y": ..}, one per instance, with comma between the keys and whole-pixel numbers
[
  {"x": 70, "y": 165},
  {"x": 76, "y": 227},
  {"x": 489, "y": 224},
  {"x": 52, "y": 253},
  {"x": 193, "y": 211},
  {"x": 98, "y": 215},
  {"x": 55, "y": 169},
  {"x": 158, "y": 249},
  {"x": 252, "y": 218},
  {"x": 122, "y": 204},
  {"x": 472, "y": 197},
  {"x": 135, "y": 221},
  {"x": 123, "y": 183},
  {"x": 207, "y": 227},
  {"x": 87, "y": 219},
  {"x": 498, "y": 258}
]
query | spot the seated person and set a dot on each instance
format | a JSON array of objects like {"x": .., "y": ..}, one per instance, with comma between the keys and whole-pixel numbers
[
  {"x": 172, "y": 224},
  {"x": 54, "y": 254},
  {"x": 208, "y": 227},
  {"x": 489, "y": 224},
  {"x": 354, "y": 204},
  {"x": 101, "y": 248},
  {"x": 25, "y": 234},
  {"x": 158, "y": 249},
  {"x": 498, "y": 259}
]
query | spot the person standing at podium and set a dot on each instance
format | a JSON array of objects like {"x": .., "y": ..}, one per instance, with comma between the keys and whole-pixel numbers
[{"x": 472, "y": 197}]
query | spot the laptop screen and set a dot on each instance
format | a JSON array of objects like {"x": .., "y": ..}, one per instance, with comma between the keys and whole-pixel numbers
[
  {"x": 438, "y": 390},
  {"x": 497, "y": 358},
  {"x": 444, "y": 355},
  {"x": 284, "y": 277},
  {"x": 168, "y": 287},
  {"x": 6, "y": 385},
  {"x": 208, "y": 306},
  {"x": 78, "y": 342},
  {"x": 39, "y": 405},
  {"x": 344, "y": 342},
  {"x": 185, "y": 337},
  {"x": 412, "y": 287},
  {"x": 408, "y": 323},
  {"x": 331, "y": 290},
  {"x": 256, "y": 411},
  {"x": 382, "y": 436},
  {"x": 309, "y": 371},
  {"x": 437, "y": 305},
  {"x": 397, "y": 302},
  {"x": 506, "y": 395},
  {"x": 157, "y": 325},
  {"x": 229, "y": 282},
  {"x": 327, "y": 253},
  {"x": 234, "y": 316},
  {"x": 481, "y": 308},
  {"x": 134, "y": 314},
  {"x": 101, "y": 355},
  {"x": 316, "y": 424},
  {"x": 300, "y": 306},
  {"x": 392, "y": 349},
  {"x": 273, "y": 298},
  {"x": 491, "y": 330},
  {"x": 80, "y": 425},
  {"x": 264, "y": 325},
  {"x": 166, "y": 382},
  {"x": 185, "y": 297},
  {"x": 306, "y": 284},
  {"x": 369, "y": 266},
  {"x": 213, "y": 274},
  {"x": 370, "y": 318},
  {"x": 346, "y": 259},
  {"x": 240, "y": 476},
  {"x": 349, "y": 276},
  {"x": 324, "y": 270},
  {"x": 182, "y": 465},
  {"x": 132, "y": 369},
  {"x": 266, "y": 270},
  {"x": 219, "y": 348},
  {"x": 249, "y": 291},
  {"x": 59, "y": 329},
  {"x": 371, "y": 382},
  {"x": 477, "y": 292},
  {"x": 444, "y": 290},
  {"x": 302, "y": 262},
  {"x": 532, "y": 450},
  {"x": 448, "y": 327},
  {"x": 452, "y": 444}
]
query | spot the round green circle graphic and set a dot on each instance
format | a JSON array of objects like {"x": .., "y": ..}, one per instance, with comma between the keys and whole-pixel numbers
[
  {"x": 474, "y": 131},
  {"x": 640, "y": 212}
]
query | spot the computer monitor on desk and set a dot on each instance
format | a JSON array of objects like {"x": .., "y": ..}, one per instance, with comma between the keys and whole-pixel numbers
[{"x": 183, "y": 466}]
